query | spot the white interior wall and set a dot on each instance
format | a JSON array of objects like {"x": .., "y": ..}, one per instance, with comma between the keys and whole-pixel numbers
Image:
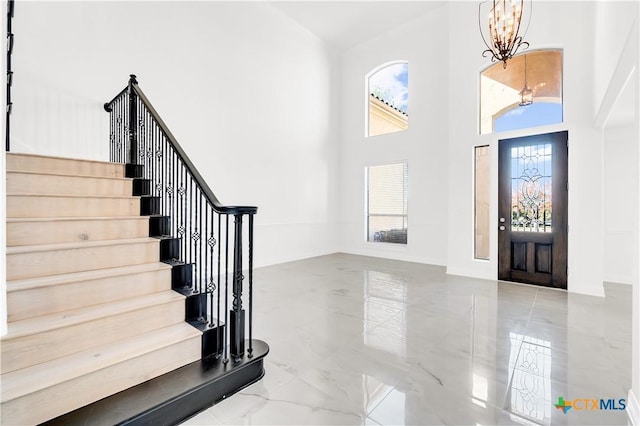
[
  {"x": 634, "y": 392},
  {"x": 619, "y": 201},
  {"x": 613, "y": 24},
  {"x": 618, "y": 110},
  {"x": 423, "y": 145},
  {"x": 567, "y": 25},
  {"x": 436, "y": 173},
  {"x": 622, "y": 219},
  {"x": 209, "y": 68}
]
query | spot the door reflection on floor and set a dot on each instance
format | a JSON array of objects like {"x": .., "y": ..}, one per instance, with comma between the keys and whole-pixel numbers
[
  {"x": 385, "y": 295},
  {"x": 529, "y": 395}
]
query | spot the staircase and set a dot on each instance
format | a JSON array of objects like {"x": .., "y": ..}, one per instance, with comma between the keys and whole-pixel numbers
[
  {"x": 125, "y": 283},
  {"x": 90, "y": 306}
]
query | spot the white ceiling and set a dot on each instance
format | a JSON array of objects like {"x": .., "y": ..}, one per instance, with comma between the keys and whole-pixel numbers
[{"x": 344, "y": 24}]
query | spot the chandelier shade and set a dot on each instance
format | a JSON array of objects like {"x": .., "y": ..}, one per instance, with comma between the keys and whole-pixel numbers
[{"x": 501, "y": 35}]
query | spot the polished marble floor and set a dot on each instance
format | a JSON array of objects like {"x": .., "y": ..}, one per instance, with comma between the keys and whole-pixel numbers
[{"x": 360, "y": 340}]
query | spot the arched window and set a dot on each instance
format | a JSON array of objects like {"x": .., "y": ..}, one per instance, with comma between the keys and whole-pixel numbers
[
  {"x": 528, "y": 93},
  {"x": 387, "y": 99}
]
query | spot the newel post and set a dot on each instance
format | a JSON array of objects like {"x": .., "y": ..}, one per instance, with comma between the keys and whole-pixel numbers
[
  {"x": 133, "y": 122},
  {"x": 237, "y": 313}
]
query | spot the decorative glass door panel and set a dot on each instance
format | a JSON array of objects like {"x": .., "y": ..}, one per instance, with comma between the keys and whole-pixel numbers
[{"x": 531, "y": 188}]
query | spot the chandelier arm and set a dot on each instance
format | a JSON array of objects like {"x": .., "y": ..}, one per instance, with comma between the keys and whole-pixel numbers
[
  {"x": 488, "y": 52},
  {"x": 529, "y": 22},
  {"x": 523, "y": 44},
  {"x": 480, "y": 28},
  {"x": 515, "y": 46}
]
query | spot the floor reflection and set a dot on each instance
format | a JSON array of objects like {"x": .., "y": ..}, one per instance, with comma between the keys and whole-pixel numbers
[
  {"x": 358, "y": 340},
  {"x": 373, "y": 391},
  {"x": 381, "y": 292},
  {"x": 530, "y": 399}
]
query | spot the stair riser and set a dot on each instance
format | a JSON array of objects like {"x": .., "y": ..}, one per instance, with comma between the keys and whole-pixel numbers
[
  {"x": 17, "y": 162},
  {"x": 30, "y": 183},
  {"x": 76, "y": 393},
  {"x": 49, "y": 206},
  {"x": 29, "y": 350},
  {"x": 45, "y": 263},
  {"x": 68, "y": 231},
  {"x": 47, "y": 300}
]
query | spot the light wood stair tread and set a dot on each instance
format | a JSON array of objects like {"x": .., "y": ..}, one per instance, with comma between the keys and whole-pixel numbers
[
  {"x": 74, "y": 175},
  {"x": 31, "y": 379},
  {"x": 78, "y": 245},
  {"x": 73, "y": 218},
  {"x": 53, "y": 157},
  {"x": 21, "y": 194},
  {"x": 57, "y": 320},
  {"x": 52, "y": 280}
]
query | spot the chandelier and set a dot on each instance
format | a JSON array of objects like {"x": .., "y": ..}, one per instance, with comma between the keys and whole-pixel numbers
[
  {"x": 526, "y": 94},
  {"x": 502, "y": 38}
]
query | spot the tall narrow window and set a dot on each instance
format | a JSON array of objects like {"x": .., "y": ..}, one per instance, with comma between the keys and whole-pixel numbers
[
  {"x": 528, "y": 93},
  {"x": 481, "y": 181},
  {"x": 387, "y": 196},
  {"x": 388, "y": 99}
]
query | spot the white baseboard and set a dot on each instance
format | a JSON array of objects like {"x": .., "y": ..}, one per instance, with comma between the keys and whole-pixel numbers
[
  {"x": 473, "y": 273},
  {"x": 633, "y": 409}
]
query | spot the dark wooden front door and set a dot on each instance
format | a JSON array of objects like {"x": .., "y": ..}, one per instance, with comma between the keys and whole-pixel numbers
[{"x": 532, "y": 207}]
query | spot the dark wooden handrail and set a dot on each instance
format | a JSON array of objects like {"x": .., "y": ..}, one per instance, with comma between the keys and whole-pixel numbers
[{"x": 192, "y": 170}]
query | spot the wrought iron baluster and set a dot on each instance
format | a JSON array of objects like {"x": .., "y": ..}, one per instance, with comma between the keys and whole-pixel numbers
[
  {"x": 118, "y": 118},
  {"x": 237, "y": 313},
  {"x": 250, "y": 350},
  {"x": 226, "y": 286},
  {"x": 133, "y": 122},
  {"x": 205, "y": 255},
  {"x": 163, "y": 181},
  {"x": 212, "y": 285},
  {"x": 125, "y": 131},
  {"x": 117, "y": 130},
  {"x": 156, "y": 174},
  {"x": 119, "y": 123},
  {"x": 219, "y": 282},
  {"x": 175, "y": 215},
  {"x": 203, "y": 283},
  {"x": 183, "y": 206},
  {"x": 181, "y": 214},
  {"x": 143, "y": 130},
  {"x": 111, "y": 136},
  {"x": 140, "y": 135},
  {"x": 169, "y": 184},
  {"x": 191, "y": 202}
]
